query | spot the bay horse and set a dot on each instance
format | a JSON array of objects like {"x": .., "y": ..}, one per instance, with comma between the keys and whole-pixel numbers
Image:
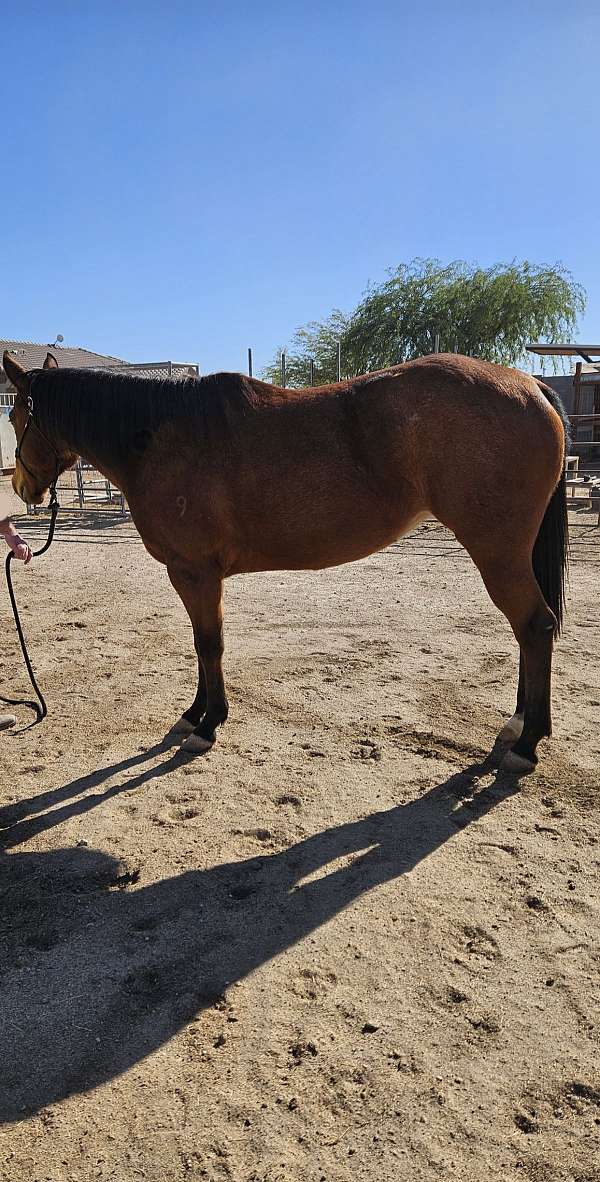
[{"x": 225, "y": 474}]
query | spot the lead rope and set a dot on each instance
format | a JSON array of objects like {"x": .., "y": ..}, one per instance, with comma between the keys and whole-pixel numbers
[{"x": 39, "y": 706}]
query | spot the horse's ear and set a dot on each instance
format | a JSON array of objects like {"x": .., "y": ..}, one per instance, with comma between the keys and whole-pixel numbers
[
  {"x": 13, "y": 370},
  {"x": 50, "y": 362}
]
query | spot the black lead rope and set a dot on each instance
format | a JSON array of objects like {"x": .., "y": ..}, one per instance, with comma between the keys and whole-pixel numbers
[{"x": 39, "y": 706}]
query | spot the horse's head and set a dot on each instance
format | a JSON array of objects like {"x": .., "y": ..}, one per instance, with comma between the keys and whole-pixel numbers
[{"x": 38, "y": 461}]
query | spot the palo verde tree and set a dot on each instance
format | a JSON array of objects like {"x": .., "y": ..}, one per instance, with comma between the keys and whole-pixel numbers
[{"x": 487, "y": 312}]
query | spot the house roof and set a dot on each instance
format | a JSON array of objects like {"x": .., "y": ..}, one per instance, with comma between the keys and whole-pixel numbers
[{"x": 32, "y": 356}]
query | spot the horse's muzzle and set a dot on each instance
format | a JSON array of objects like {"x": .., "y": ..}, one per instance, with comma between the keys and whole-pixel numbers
[{"x": 30, "y": 495}]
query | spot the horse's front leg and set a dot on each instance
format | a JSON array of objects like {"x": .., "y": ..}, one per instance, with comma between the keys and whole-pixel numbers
[
  {"x": 202, "y": 594},
  {"x": 192, "y": 716}
]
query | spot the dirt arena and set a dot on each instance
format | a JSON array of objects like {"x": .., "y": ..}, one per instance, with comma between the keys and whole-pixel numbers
[{"x": 335, "y": 948}]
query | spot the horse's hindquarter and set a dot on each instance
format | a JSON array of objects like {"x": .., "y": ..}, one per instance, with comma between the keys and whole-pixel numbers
[{"x": 489, "y": 446}]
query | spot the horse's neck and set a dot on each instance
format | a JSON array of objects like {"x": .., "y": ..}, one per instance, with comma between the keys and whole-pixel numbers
[
  {"x": 73, "y": 440},
  {"x": 113, "y": 472}
]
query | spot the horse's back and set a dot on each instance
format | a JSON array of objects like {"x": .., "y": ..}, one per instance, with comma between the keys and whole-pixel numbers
[
  {"x": 452, "y": 436},
  {"x": 445, "y": 402}
]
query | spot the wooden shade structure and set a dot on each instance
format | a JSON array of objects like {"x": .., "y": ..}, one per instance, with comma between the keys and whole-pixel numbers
[
  {"x": 591, "y": 355},
  {"x": 586, "y": 352}
]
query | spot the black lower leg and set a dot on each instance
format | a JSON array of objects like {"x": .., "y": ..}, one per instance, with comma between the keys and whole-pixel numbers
[
  {"x": 201, "y": 592},
  {"x": 537, "y": 661},
  {"x": 520, "y": 706},
  {"x": 198, "y": 706},
  {"x": 217, "y": 706}
]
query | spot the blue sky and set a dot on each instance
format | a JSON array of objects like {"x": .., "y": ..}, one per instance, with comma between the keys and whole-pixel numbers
[{"x": 186, "y": 179}]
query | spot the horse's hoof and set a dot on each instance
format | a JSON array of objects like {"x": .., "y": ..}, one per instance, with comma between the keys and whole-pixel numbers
[
  {"x": 195, "y": 744},
  {"x": 512, "y": 730},
  {"x": 183, "y": 726},
  {"x": 6, "y": 721},
  {"x": 517, "y": 764}
]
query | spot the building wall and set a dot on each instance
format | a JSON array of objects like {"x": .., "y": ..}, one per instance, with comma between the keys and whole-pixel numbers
[
  {"x": 7, "y": 439},
  {"x": 563, "y": 385}
]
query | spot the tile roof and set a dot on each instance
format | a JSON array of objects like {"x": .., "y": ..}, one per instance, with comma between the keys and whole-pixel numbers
[{"x": 32, "y": 356}]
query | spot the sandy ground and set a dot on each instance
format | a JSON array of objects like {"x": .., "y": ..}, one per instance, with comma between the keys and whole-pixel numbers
[{"x": 335, "y": 948}]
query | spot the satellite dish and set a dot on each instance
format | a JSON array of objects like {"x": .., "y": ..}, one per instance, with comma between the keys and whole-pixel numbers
[{"x": 58, "y": 341}]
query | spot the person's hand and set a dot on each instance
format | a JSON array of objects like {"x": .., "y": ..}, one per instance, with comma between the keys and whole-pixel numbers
[{"x": 20, "y": 548}]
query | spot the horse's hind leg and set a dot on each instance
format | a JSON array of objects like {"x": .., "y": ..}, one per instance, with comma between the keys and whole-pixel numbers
[
  {"x": 513, "y": 729},
  {"x": 514, "y": 589},
  {"x": 536, "y": 647}
]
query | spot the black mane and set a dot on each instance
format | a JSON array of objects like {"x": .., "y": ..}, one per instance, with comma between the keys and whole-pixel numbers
[{"x": 106, "y": 411}]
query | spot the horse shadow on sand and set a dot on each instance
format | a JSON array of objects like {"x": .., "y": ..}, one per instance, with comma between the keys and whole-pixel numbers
[
  {"x": 94, "y": 977},
  {"x": 101, "y": 525}
]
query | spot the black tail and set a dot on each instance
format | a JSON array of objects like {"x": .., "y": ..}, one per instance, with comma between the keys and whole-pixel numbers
[{"x": 551, "y": 549}]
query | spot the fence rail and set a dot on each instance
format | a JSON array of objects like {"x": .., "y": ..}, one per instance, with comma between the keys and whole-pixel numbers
[{"x": 84, "y": 487}]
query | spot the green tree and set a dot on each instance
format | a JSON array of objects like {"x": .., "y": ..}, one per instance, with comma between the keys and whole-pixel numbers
[
  {"x": 488, "y": 312},
  {"x": 316, "y": 342}
]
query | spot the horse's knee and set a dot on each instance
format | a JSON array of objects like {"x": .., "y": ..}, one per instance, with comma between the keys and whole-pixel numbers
[{"x": 209, "y": 645}]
